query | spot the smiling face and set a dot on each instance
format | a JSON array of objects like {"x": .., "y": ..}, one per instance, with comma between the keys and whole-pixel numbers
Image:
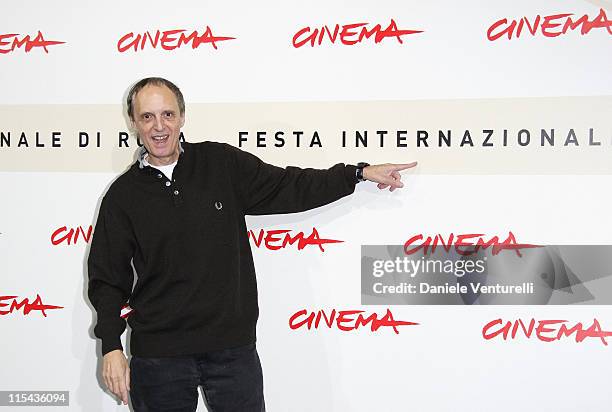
[{"x": 158, "y": 121}]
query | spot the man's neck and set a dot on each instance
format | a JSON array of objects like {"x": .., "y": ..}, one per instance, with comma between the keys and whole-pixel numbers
[
  {"x": 161, "y": 161},
  {"x": 142, "y": 152}
]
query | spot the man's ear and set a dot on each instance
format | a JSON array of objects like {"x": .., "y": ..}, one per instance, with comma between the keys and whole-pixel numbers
[{"x": 183, "y": 120}]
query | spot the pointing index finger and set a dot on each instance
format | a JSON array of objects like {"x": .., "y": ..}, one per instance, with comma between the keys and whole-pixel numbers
[{"x": 404, "y": 166}]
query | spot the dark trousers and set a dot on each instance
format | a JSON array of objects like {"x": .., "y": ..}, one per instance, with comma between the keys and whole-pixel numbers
[{"x": 231, "y": 380}]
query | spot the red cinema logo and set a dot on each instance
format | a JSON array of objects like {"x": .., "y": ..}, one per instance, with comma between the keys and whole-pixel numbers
[
  {"x": 11, "y": 41},
  {"x": 545, "y": 331},
  {"x": 279, "y": 239},
  {"x": 349, "y": 34},
  {"x": 466, "y": 244},
  {"x": 169, "y": 40},
  {"x": 345, "y": 320},
  {"x": 71, "y": 236},
  {"x": 12, "y": 303},
  {"x": 549, "y": 26}
]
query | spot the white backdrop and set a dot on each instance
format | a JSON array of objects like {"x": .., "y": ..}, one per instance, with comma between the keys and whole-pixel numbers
[{"x": 443, "y": 364}]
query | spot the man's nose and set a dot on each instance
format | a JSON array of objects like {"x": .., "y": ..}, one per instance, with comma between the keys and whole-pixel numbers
[{"x": 159, "y": 126}]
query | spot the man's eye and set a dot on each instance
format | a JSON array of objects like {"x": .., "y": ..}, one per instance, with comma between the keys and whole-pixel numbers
[
  {"x": 146, "y": 116},
  {"x": 169, "y": 114}
]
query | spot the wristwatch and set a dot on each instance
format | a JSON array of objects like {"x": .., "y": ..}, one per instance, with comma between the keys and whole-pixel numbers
[{"x": 359, "y": 171}]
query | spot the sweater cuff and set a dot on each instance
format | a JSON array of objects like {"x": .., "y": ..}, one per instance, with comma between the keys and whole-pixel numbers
[
  {"x": 350, "y": 171},
  {"x": 110, "y": 344}
]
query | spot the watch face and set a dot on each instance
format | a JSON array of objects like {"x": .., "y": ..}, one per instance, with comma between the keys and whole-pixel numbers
[{"x": 359, "y": 173}]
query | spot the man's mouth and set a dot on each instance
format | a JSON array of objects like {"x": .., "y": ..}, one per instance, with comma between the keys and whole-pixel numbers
[{"x": 160, "y": 138}]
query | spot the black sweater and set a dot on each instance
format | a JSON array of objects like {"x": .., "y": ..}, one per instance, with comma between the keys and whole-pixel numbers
[{"x": 196, "y": 289}]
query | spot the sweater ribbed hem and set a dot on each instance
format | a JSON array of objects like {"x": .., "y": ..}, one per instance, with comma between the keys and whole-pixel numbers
[{"x": 178, "y": 343}]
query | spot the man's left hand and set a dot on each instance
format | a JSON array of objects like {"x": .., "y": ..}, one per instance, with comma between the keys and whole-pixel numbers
[{"x": 387, "y": 174}]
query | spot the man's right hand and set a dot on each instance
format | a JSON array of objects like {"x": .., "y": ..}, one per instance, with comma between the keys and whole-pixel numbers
[{"x": 116, "y": 374}]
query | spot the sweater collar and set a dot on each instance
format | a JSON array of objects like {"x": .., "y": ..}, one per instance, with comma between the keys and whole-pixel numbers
[{"x": 142, "y": 151}]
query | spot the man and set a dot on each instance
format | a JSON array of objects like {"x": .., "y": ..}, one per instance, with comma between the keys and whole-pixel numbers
[{"x": 178, "y": 215}]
